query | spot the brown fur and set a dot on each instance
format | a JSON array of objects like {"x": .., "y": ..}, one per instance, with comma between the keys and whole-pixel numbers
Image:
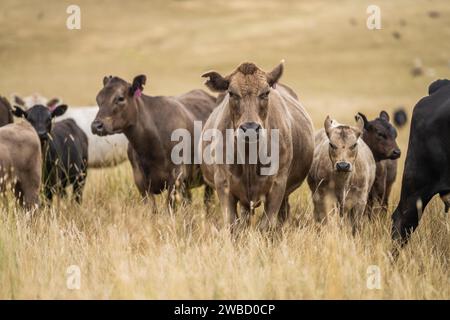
[
  {"x": 21, "y": 162},
  {"x": 252, "y": 96},
  {"x": 381, "y": 136},
  {"x": 148, "y": 123},
  {"x": 346, "y": 190}
]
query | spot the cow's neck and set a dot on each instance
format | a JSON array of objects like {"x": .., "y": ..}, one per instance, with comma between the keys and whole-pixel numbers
[{"x": 143, "y": 135}]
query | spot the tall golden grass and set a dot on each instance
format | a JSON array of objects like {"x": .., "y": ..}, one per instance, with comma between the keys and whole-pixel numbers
[{"x": 124, "y": 251}]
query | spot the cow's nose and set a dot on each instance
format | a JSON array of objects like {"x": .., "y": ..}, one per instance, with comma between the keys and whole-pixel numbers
[
  {"x": 396, "y": 154},
  {"x": 250, "y": 126},
  {"x": 97, "y": 127},
  {"x": 343, "y": 166}
]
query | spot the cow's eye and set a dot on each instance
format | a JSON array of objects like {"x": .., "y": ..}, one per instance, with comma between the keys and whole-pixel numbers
[
  {"x": 382, "y": 135},
  {"x": 120, "y": 99},
  {"x": 333, "y": 146},
  {"x": 354, "y": 146},
  {"x": 264, "y": 96}
]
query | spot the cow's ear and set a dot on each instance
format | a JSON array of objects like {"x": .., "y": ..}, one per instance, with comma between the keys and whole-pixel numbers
[
  {"x": 216, "y": 82},
  {"x": 384, "y": 115},
  {"x": 16, "y": 100},
  {"x": 138, "y": 85},
  {"x": 364, "y": 119},
  {"x": 52, "y": 103},
  {"x": 360, "y": 125},
  {"x": 275, "y": 75},
  {"x": 59, "y": 110},
  {"x": 19, "y": 112},
  {"x": 106, "y": 80},
  {"x": 328, "y": 124}
]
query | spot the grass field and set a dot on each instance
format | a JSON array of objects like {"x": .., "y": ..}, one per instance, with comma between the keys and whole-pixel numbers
[{"x": 333, "y": 61}]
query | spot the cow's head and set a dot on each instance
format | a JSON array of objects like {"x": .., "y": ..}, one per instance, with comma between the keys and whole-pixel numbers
[
  {"x": 343, "y": 143},
  {"x": 380, "y": 135},
  {"x": 117, "y": 105},
  {"x": 249, "y": 92},
  {"x": 40, "y": 117}
]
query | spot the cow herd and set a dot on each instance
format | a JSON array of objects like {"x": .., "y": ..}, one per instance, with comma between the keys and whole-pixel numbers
[{"x": 349, "y": 168}]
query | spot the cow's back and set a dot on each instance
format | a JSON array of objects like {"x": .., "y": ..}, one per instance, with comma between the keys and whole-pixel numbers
[
  {"x": 69, "y": 144},
  {"x": 199, "y": 103},
  {"x": 103, "y": 151},
  {"x": 20, "y": 146}
]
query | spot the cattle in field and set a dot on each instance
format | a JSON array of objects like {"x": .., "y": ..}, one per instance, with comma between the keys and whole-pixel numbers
[
  {"x": 64, "y": 147},
  {"x": 427, "y": 162},
  {"x": 148, "y": 123},
  {"x": 380, "y": 136},
  {"x": 103, "y": 151},
  {"x": 6, "y": 115},
  {"x": 21, "y": 162},
  {"x": 253, "y": 103},
  {"x": 400, "y": 117},
  {"x": 343, "y": 171}
]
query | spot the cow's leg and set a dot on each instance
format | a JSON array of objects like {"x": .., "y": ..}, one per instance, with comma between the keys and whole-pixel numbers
[
  {"x": 78, "y": 186},
  {"x": 321, "y": 201},
  {"x": 208, "y": 199},
  {"x": 283, "y": 214},
  {"x": 228, "y": 202},
  {"x": 406, "y": 217},
  {"x": 31, "y": 193},
  {"x": 272, "y": 205},
  {"x": 356, "y": 214}
]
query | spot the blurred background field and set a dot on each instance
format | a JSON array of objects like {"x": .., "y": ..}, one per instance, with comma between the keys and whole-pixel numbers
[{"x": 335, "y": 64}]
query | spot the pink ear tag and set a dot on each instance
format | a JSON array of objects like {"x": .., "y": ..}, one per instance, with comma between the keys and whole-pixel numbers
[{"x": 138, "y": 93}]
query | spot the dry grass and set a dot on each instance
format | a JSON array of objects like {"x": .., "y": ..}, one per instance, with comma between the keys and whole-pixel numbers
[{"x": 124, "y": 251}]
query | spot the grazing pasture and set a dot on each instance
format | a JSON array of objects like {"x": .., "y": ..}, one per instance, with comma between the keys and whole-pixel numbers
[{"x": 336, "y": 66}]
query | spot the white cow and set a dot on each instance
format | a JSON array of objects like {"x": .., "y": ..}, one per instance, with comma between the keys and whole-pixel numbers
[{"x": 103, "y": 151}]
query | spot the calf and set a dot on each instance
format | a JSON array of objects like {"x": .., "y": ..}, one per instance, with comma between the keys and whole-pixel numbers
[
  {"x": 381, "y": 136},
  {"x": 21, "y": 162},
  {"x": 102, "y": 151},
  {"x": 148, "y": 122},
  {"x": 64, "y": 147},
  {"x": 255, "y": 104},
  {"x": 6, "y": 115},
  {"x": 343, "y": 171},
  {"x": 427, "y": 160}
]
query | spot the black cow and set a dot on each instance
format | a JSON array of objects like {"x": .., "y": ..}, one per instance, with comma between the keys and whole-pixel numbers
[
  {"x": 64, "y": 147},
  {"x": 6, "y": 115},
  {"x": 427, "y": 166},
  {"x": 400, "y": 117}
]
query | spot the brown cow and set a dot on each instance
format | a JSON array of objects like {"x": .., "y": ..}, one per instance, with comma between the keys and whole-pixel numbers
[
  {"x": 380, "y": 135},
  {"x": 254, "y": 103},
  {"x": 6, "y": 115},
  {"x": 21, "y": 162},
  {"x": 148, "y": 122},
  {"x": 343, "y": 171}
]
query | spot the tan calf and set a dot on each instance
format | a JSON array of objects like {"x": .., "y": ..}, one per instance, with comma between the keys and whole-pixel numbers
[
  {"x": 21, "y": 162},
  {"x": 343, "y": 171}
]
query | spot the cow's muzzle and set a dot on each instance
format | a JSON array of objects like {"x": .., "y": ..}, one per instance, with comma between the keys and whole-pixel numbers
[
  {"x": 98, "y": 128},
  {"x": 396, "y": 154},
  {"x": 343, "y": 167}
]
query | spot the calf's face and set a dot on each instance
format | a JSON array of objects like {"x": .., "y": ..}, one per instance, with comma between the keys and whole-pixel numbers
[
  {"x": 343, "y": 144},
  {"x": 40, "y": 117},
  {"x": 249, "y": 92},
  {"x": 380, "y": 136},
  {"x": 117, "y": 105}
]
